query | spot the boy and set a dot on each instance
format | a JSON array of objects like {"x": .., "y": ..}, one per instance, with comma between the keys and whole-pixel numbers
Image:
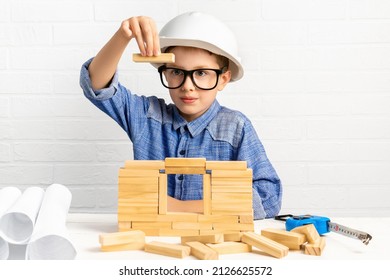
[{"x": 195, "y": 125}]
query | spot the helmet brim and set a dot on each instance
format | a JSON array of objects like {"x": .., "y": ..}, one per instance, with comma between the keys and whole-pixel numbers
[{"x": 235, "y": 66}]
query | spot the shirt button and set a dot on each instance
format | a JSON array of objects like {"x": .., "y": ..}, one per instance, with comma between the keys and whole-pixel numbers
[
  {"x": 180, "y": 177},
  {"x": 182, "y": 152}
]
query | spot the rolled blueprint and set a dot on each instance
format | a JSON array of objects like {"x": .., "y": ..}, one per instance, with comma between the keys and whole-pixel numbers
[
  {"x": 50, "y": 239},
  {"x": 17, "y": 223},
  {"x": 8, "y": 196}
]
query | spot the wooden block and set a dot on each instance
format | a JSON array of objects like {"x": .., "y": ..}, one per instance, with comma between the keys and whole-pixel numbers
[
  {"x": 123, "y": 247},
  {"x": 226, "y": 165},
  {"x": 206, "y": 194},
  {"x": 219, "y": 218},
  {"x": 230, "y": 247},
  {"x": 211, "y": 238},
  {"x": 185, "y": 170},
  {"x": 201, "y": 251},
  {"x": 178, "y": 232},
  {"x": 233, "y": 197},
  {"x": 237, "y": 227},
  {"x": 151, "y": 225},
  {"x": 241, "y": 182},
  {"x": 162, "y": 58},
  {"x": 236, "y": 236},
  {"x": 293, "y": 240},
  {"x": 315, "y": 249},
  {"x": 309, "y": 231},
  {"x": 163, "y": 196},
  {"x": 124, "y": 225},
  {"x": 232, "y": 173},
  {"x": 145, "y": 164},
  {"x": 178, "y": 217},
  {"x": 166, "y": 249},
  {"x": 117, "y": 238},
  {"x": 185, "y": 162},
  {"x": 138, "y": 173},
  {"x": 265, "y": 244},
  {"x": 245, "y": 219},
  {"x": 190, "y": 225}
]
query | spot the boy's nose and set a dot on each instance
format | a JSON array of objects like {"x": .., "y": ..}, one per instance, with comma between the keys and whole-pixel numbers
[{"x": 188, "y": 84}]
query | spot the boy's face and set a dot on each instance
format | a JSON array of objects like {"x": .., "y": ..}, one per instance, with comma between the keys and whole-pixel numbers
[{"x": 191, "y": 101}]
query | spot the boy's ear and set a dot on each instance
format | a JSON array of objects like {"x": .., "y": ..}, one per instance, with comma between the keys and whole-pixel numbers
[{"x": 224, "y": 79}]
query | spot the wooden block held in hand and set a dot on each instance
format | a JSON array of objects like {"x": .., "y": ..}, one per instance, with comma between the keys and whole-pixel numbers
[{"x": 162, "y": 58}]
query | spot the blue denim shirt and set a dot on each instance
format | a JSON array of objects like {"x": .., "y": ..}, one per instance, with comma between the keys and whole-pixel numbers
[{"x": 157, "y": 131}]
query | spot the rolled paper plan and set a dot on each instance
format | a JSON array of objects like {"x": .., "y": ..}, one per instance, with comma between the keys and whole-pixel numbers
[
  {"x": 50, "y": 239},
  {"x": 8, "y": 196},
  {"x": 17, "y": 223}
]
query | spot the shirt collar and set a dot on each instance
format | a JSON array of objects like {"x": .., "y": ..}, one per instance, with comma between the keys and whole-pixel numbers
[{"x": 199, "y": 124}]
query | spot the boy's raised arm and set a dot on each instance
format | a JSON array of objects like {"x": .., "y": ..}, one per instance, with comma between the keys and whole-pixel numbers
[{"x": 104, "y": 64}]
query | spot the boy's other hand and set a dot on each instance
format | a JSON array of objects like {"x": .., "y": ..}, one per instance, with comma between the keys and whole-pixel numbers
[{"x": 144, "y": 30}]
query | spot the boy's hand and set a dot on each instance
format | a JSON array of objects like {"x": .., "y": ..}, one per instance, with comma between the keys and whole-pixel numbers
[{"x": 144, "y": 30}]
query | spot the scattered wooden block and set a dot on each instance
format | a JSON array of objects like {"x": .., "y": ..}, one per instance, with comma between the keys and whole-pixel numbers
[
  {"x": 119, "y": 241},
  {"x": 230, "y": 247},
  {"x": 236, "y": 236},
  {"x": 162, "y": 58},
  {"x": 201, "y": 251},
  {"x": 211, "y": 238},
  {"x": 316, "y": 248},
  {"x": 293, "y": 240},
  {"x": 166, "y": 249},
  {"x": 309, "y": 231},
  {"x": 265, "y": 244}
]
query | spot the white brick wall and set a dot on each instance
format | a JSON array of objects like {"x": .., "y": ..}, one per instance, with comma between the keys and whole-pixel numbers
[{"x": 317, "y": 88}]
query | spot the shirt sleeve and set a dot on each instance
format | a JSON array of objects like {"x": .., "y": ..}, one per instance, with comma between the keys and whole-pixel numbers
[
  {"x": 127, "y": 109},
  {"x": 267, "y": 188}
]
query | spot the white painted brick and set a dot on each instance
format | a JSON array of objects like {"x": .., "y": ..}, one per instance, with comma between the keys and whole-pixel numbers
[
  {"x": 5, "y": 152},
  {"x": 232, "y": 10},
  {"x": 26, "y": 82},
  {"x": 364, "y": 174},
  {"x": 53, "y": 152},
  {"x": 46, "y": 58},
  {"x": 107, "y": 198},
  {"x": 121, "y": 10},
  {"x": 83, "y": 34},
  {"x": 15, "y": 34},
  {"x": 291, "y": 174},
  {"x": 370, "y": 104},
  {"x": 3, "y": 58},
  {"x": 66, "y": 83},
  {"x": 52, "y": 11},
  {"x": 5, "y": 130},
  {"x": 114, "y": 152},
  {"x": 287, "y": 129},
  {"x": 322, "y": 174},
  {"x": 368, "y": 197},
  {"x": 86, "y": 174},
  {"x": 32, "y": 174},
  {"x": 93, "y": 130},
  {"x": 348, "y": 32},
  {"x": 83, "y": 197},
  {"x": 5, "y": 11},
  {"x": 4, "y": 107},
  {"x": 270, "y": 33},
  {"x": 303, "y": 9},
  {"x": 348, "y": 81},
  {"x": 33, "y": 130},
  {"x": 369, "y": 9},
  {"x": 345, "y": 128}
]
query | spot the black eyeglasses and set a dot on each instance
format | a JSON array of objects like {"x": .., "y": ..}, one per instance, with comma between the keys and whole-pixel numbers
[{"x": 205, "y": 78}]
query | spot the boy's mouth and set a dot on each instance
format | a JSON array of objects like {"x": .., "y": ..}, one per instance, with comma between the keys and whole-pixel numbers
[{"x": 188, "y": 100}]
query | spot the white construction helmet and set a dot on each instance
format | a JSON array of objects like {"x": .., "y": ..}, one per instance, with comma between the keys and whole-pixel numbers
[{"x": 196, "y": 29}]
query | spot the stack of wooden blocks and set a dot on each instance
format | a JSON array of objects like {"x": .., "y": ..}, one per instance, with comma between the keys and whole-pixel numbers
[
  {"x": 227, "y": 197},
  {"x": 225, "y": 226}
]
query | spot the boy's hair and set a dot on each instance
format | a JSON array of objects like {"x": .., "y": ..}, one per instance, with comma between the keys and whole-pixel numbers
[{"x": 223, "y": 62}]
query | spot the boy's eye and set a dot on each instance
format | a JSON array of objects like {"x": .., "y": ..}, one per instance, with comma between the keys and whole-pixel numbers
[
  {"x": 201, "y": 73},
  {"x": 176, "y": 72}
]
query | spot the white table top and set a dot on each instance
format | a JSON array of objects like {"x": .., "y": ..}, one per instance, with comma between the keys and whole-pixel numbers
[{"x": 85, "y": 229}]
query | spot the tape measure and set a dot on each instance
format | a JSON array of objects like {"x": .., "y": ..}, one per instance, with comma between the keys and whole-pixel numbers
[{"x": 323, "y": 225}]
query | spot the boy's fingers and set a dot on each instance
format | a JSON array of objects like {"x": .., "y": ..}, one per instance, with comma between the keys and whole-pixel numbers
[
  {"x": 147, "y": 34},
  {"x": 137, "y": 34}
]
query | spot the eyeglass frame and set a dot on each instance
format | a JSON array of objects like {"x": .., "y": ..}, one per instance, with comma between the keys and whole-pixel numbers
[{"x": 191, "y": 74}]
